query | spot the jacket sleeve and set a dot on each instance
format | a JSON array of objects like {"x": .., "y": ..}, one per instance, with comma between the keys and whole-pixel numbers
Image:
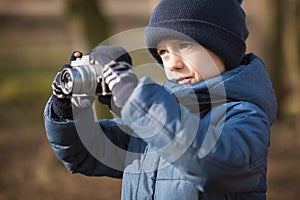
[
  {"x": 93, "y": 149},
  {"x": 225, "y": 151}
]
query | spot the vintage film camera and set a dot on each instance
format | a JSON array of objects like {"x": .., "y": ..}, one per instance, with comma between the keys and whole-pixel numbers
[{"x": 85, "y": 78}]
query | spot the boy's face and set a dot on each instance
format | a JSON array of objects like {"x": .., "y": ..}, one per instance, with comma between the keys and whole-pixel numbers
[{"x": 188, "y": 62}]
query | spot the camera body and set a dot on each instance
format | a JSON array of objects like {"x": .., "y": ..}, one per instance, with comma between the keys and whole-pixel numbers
[{"x": 84, "y": 78}]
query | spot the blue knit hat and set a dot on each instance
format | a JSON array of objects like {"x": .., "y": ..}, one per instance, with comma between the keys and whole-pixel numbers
[{"x": 218, "y": 25}]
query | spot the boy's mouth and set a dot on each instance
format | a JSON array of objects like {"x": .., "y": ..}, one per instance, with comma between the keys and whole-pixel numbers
[{"x": 184, "y": 80}]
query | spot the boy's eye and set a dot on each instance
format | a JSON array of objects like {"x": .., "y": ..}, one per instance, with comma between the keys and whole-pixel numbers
[
  {"x": 184, "y": 45},
  {"x": 162, "y": 52}
]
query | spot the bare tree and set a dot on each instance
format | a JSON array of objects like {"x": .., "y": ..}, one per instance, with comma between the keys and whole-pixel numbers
[
  {"x": 87, "y": 15},
  {"x": 286, "y": 60}
]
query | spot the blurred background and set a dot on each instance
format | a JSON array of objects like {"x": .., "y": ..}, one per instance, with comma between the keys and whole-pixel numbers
[{"x": 38, "y": 36}]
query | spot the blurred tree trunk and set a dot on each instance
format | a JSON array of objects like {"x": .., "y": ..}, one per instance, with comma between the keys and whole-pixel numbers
[
  {"x": 86, "y": 16},
  {"x": 286, "y": 63}
]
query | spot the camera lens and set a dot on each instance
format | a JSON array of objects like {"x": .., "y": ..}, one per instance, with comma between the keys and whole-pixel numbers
[
  {"x": 79, "y": 81},
  {"x": 67, "y": 81}
]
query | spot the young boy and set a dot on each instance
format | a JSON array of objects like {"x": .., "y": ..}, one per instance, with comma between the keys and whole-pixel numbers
[{"x": 204, "y": 134}]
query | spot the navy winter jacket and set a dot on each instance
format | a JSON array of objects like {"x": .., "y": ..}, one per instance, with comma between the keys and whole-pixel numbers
[{"x": 207, "y": 140}]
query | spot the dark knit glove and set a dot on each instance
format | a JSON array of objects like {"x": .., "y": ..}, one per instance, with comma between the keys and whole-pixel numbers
[
  {"x": 118, "y": 73},
  {"x": 61, "y": 106}
]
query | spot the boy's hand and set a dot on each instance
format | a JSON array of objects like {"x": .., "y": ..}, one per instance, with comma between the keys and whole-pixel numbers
[{"x": 118, "y": 73}]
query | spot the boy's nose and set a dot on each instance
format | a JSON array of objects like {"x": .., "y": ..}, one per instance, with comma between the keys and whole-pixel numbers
[{"x": 175, "y": 62}]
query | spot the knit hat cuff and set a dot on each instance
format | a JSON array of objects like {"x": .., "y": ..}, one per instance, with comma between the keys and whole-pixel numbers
[{"x": 227, "y": 45}]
